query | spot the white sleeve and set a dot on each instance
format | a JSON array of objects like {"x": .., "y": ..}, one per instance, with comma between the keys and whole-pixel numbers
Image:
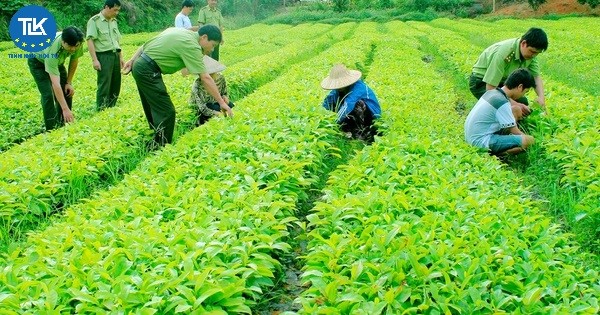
[
  {"x": 505, "y": 117},
  {"x": 179, "y": 21}
]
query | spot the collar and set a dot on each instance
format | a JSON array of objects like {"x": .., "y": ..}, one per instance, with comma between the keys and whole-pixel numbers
[
  {"x": 518, "y": 49},
  {"x": 502, "y": 91},
  {"x": 103, "y": 17}
]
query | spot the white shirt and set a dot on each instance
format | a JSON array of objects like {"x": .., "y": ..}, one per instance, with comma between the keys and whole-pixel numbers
[{"x": 183, "y": 21}]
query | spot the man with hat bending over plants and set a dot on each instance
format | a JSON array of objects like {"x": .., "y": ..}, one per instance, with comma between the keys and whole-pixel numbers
[
  {"x": 171, "y": 51},
  {"x": 499, "y": 60},
  {"x": 204, "y": 104},
  {"x": 492, "y": 123},
  {"x": 354, "y": 102}
]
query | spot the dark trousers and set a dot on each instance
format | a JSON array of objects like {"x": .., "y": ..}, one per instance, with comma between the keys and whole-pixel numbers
[
  {"x": 215, "y": 53},
  {"x": 157, "y": 104},
  {"x": 109, "y": 79},
  {"x": 360, "y": 123},
  {"x": 214, "y": 106},
  {"x": 478, "y": 88},
  {"x": 53, "y": 117}
]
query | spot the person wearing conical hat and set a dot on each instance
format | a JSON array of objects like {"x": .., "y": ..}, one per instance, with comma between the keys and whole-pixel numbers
[
  {"x": 204, "y": 104},
  {"x": 354, "y": 102}
]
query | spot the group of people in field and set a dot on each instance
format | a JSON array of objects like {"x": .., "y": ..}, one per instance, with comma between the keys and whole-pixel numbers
[{"x": 502, "y": 75}]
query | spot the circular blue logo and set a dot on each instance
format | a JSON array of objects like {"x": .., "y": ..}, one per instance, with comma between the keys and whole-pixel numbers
[{"x": 32, "y": 28}]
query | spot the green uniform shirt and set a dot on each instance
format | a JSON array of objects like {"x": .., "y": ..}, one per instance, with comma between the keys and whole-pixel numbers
[
  {"x": 51, "y": 64},
  {"x": 499, "y": 60},
  {"x": 174, "y": 49},
  {"x": 210, "y": 16},
  {"x": 105, "y": 33}
]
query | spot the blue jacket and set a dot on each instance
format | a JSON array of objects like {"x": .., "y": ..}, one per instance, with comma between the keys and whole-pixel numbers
[{"x": 359, "y": 91}]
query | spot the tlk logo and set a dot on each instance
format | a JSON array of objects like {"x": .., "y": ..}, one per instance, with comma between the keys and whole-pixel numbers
[{"x": 31, "y": 26}]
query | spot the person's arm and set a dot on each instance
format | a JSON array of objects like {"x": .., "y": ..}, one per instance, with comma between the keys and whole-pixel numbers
[
  {"x": 329, "y": 101},
  {"x": 129, "y": 63},
  {"x": 211, "y": 88},
  {"x": 201, "y": 18},
  {"x": 73, "y": 62},
  {"x": 121, "y": 62},
  {"x": 60, "y": 97},
  {"x": 221, "y": 26},
  {"x": 92, "y": 50},
  {"x": 179, "y": 21},
  {"x": 198, "y": 100},
  {"x": 539, "y": 90},
  {"x": 515, "y": 131}
]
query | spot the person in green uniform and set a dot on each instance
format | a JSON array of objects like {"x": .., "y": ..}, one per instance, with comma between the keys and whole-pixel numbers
[
  {"x": 500, "y": 59},
  {"x": 211, "y": 14},
  {"x": 171, "y": 51},
  {"x": 103, "y": 44},
  {"x": 53, "y": 81}
]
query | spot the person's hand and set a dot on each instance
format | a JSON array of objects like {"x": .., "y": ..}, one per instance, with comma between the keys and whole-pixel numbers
[
  {"x": 217, "y": 113},
  {"x": 127, "y": 67},
  {"x": 185, "y": 72},
  {"x": 68, "y": 115},
  {"x": 96, "y": 65},
  {"x": 526, "y": 110},
  {"x": 121, "y": 63},
  {"x": 226, "y": 110},
  {"x": 69, "y": 90},
  {"x": 542, "y": 101},
  {"x": 226, "y": 99}
]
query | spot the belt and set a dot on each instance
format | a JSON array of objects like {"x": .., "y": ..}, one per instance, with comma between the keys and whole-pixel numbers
[
  {"x": 150, "y": 61},
  {"x": 112, "y": 51}
]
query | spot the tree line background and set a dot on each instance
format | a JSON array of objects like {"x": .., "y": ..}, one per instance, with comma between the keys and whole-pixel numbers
[{"x": 154, "y": 15}]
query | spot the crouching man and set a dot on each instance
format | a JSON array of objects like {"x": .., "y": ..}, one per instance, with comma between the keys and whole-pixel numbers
[{"x": 492, "y": 123}]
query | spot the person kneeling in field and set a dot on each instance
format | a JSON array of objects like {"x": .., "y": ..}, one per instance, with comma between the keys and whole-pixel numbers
[
  {"x": 206, "y": 106},
  {"x": 354, "y": 102},
  {"x": 492, "y": 123}
]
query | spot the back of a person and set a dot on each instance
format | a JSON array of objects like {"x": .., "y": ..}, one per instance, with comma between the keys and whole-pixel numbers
[{"x": 482, "y": 120}]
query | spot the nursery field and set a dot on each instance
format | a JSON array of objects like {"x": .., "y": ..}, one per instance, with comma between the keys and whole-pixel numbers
[{"x": 274, "y": 211}]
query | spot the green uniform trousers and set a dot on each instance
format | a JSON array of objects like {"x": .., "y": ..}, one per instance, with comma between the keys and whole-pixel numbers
[
  {"x": 157, "y": 104},
  {"x": 53, "y": 117},
  {"x": 109, "y": 79},
  {"x": 478, "y": 88}
]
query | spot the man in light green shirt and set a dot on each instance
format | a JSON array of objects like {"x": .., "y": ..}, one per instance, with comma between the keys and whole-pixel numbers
[
  {"x": 53, "y": 81},
  {"x": 211, "y": 14},
  {"x": 172, "y": 50},
  {"x": 103, "y": 44},
  {"x": 499, "y": 60}
]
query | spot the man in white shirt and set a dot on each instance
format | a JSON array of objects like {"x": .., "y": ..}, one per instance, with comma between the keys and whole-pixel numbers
[
  {"x": 182, "y": 19},
  {"x": 492, "y": 124}
]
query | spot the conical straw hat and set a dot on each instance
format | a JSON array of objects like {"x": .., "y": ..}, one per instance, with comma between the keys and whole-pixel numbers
[
  {"x": 212, "y": 65},
  {"x": 340, "y": 77}
]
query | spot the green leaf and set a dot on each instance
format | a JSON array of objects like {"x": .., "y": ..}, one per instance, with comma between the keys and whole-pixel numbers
[{"x": 533, "y": 296}]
